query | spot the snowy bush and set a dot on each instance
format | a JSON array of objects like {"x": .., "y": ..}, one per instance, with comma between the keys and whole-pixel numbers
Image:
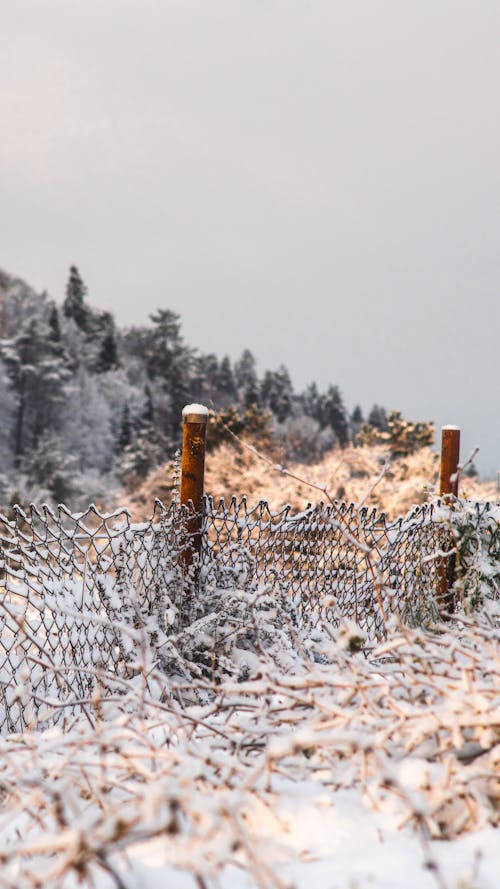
[
  {"x": 475, "y": 528},
  {"x": 144, "y": 790},
  {"x": 196, "y": 727}
]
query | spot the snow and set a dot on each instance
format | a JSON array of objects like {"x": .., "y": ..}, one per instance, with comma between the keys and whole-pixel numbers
[
  {"x": 374, "y": 773},
  {"x": 199, "y": 410},
  {"x": 246, "y": 742},
  {"x": 331, "y": 841}
]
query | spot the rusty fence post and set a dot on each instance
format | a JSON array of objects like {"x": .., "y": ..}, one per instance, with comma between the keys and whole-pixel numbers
[
  {"x": 448, "y": 485},
  {"x": 450, "y": 456},
  {"x": 194, "y": 420}
]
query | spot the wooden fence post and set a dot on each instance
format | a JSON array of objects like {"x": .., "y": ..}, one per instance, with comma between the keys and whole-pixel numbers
[
  {"x": 448, "y": 484},
  {"x": 450, "y": 456},
  {"x": 195, "y": 419}
]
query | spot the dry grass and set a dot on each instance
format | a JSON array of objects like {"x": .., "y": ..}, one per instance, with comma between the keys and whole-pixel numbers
[{"x": 346, "y": 474}]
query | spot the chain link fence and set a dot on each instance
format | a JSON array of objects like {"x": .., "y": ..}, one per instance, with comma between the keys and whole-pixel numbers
[{"x": 78, "y": 592}]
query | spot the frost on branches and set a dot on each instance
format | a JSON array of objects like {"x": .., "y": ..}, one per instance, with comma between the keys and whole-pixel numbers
[
  {"x": 411, "y": 732},
  {"x": 476, "y": 532},
  {"x": 197, "y": 736}
]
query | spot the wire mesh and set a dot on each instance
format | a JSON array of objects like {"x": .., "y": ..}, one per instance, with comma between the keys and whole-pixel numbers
[
  {"x": 342, "y": 562},
  {"x": 71, "y": 585}
]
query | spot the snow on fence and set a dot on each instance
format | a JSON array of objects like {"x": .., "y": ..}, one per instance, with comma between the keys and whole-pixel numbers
[
  {"x": 86, "y": 600},
  {"x": 81, "y": 594}
]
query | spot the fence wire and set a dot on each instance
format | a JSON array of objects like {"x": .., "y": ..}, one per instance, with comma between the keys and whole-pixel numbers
[{"x": 71, "y": 585}]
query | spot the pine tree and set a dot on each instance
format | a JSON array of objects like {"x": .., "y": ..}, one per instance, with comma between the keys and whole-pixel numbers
[
  {"x": 125, "y": 434},
  {"x": 356, "y": 422},
  {"x": 333, "y": 414},
  {"x": 8, "y": 403},
  {"x": 107, "y": 358},
  {"x": 276, "y": 392},
  {"x": 94, "y": 342},
  {"x": 140, "y": 457},
  {"x": 170, "y": 363},
  {"x": 50, "y": 472},
  {"x": 378, "y": 418},
  {"x": 226, "y": 386},
  {"x": 89, "y": 425},
  {"x": 311, "y": 402},
  {"x": 205, "y": 376},
  {"x": 245, "y": 372},
  {"x": 36, "y": 366},
  {"x": 55, "y": 325},
  {"x": 357, "y": 415},
  {"x": 148, "y": 413},
  {"x": 246, "y": 379},
  {"x": 74, "y": 303}
]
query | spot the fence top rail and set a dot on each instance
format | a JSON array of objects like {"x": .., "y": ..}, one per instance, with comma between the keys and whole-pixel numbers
[{"x": 39, "y": 525}]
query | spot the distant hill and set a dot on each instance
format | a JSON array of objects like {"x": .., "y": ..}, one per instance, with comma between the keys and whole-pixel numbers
[{"x": 88, "y": 407}]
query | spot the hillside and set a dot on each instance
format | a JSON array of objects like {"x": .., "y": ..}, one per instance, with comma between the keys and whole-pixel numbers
[
  {"x": 88, "y": 406},
  {"x": 348, "y": 474},
  {"x": 90, "y": 410}
]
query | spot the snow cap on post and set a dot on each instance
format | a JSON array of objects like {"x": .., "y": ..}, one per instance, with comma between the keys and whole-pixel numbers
[
  {"x": 195, "y": 413},
  {"x": 194, "y": 421}
]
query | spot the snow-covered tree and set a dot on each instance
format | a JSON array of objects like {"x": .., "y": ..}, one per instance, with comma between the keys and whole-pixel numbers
[
  {"x": 87, "y": 430},
  {"x": 333, "y": 414},
  {"x": 226, "y": 385},
  {"x": 51, "y": 473},
  {"x": 247, "y": 381},
  {"x": 205, "y": 376},
  {"x": 276, "y": 393},
  {"x": 108, "y": 402},
  {"x": 74, "y": 305},
  {"x": 356, "y": 421},
  {"x": 378, "y": 418},
  {"x": 36, "y": 365},
  {"x": 170, "y": 365}
]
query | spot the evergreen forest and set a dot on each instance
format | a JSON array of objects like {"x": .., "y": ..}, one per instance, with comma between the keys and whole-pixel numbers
[{"x": 88, "y": 407}]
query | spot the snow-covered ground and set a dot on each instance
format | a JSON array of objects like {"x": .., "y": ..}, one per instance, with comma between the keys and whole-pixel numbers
[
  {"x": 312, "y": 837},
  {"x": 324, "y": 768}
]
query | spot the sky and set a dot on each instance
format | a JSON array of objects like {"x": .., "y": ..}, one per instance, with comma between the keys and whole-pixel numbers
[{"x": 316, "y": 180}]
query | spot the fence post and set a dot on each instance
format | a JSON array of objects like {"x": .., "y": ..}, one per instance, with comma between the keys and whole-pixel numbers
[
  {"x": 448, "y": 484},
  {"x": 450, "y": 456},
  {"x": 194, "y": 419}
]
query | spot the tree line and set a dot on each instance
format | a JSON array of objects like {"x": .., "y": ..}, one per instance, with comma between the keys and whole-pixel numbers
[{"x": 88, "y": 407}]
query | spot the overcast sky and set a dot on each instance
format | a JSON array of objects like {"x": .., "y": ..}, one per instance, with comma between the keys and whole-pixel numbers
[{"x": 317, "y": 180}]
